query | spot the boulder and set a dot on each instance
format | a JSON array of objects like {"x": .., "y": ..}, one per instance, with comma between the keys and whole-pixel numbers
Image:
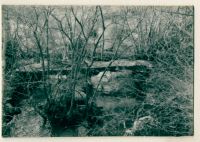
[
  {"x": 111, "y": 82},
  {"x": 29, "y": 123},
  {"x": 82, "y": 131},
  {"x": 139, "y": 124}
]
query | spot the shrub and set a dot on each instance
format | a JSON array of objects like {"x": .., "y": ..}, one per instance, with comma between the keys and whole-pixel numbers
[{"x": 170, "y": 85}]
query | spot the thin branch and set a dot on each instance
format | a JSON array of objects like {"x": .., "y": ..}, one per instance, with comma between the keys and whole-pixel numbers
[
  {"x": 62, "y": 29},
  {"x": 80, "y": 24}
]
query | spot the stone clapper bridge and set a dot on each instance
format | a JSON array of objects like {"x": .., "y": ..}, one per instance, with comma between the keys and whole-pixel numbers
[
  {"x": 34, "y": 74},
  {"x": 98, "y": 66}
]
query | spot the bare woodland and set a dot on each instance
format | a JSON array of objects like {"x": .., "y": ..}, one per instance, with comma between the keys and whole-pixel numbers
[{"x": 97, "y": 71}]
